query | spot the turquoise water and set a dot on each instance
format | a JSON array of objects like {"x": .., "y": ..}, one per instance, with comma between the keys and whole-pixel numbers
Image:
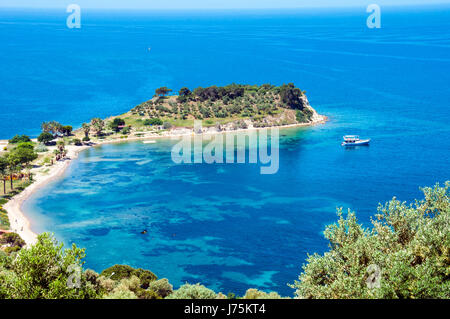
[{"x": 227, "y": 226}]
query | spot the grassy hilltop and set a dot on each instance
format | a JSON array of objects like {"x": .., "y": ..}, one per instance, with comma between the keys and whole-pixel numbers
[{"x": 237, "y": 105}]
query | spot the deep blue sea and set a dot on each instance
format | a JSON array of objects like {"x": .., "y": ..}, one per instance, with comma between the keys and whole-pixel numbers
[{"x": 227, "y": 226}]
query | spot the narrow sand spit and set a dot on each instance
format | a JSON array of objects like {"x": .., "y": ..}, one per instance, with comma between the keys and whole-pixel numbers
[{"x": 19, "y": 222}]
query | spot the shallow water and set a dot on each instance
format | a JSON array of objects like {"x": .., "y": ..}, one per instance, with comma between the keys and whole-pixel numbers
[{"x": 227, "y": 226}]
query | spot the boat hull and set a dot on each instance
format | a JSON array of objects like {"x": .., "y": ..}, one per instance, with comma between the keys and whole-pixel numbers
[{"x": 357, "y": 143}]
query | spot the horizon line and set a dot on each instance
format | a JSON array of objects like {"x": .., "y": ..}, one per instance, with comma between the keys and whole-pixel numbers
[{"x": 344, "y": 6}]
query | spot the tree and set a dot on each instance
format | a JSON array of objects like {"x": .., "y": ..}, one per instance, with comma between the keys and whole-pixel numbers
[
  {"x": 52, "y": 127},
  {"x": 184, "y": 92},
  {"x": 98, "y": 125},
  {"x": 184, "y": 95},
  {"x": 153, "y": 121},
  {"x": 117, "y": 124},
  {"x": 86, "y": 129},
  {"x": 3, "y": 171},
  {"x": 291, "y": 96},
  {"x": 406, "y": 253},
  {"x": 13, "y": 166},
  {"x": 19, "y": 139},
  {"x": 23, "y": 154},
  {"x": 45, "y": 137},
  {"x": 66, "y": 130},
  {"x": 46, "y": 271},
  {"x": 162, "y": 91}
]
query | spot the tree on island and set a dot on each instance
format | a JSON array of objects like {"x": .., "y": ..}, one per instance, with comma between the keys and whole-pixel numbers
[
  {"x": 86, "y": 130},
  {"x": 45, "y": 138},
  {"x": 117, "y": 124},
  {"x": 183, "y": 95},
  {"x": 98, "y": 125},
  {"x": 291, "y": 96},
  {"x": 66, "y": 130},
  {"x": 163, "y": 91},
  {"x": 52, "y": 127}
]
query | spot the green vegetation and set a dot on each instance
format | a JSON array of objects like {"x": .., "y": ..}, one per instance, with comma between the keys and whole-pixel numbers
[
  {"x": 45, "y": 137},
  {"x": 264, "y": 105},
  {"x": 406, "y": 254},
  {"x": 153, "y": 121},
  {"x": 55, "y": 128},
  {"x": 19, "y": 139},
  {"x": 116, "y": 124}
]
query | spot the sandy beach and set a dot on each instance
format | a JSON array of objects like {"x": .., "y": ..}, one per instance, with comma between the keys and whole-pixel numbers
[{"x": 20, "y": 224}]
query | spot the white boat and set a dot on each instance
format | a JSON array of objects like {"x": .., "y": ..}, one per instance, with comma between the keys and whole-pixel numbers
[
  {"x": 354, "y": 140},
  {"x": 149, "y": 142}
]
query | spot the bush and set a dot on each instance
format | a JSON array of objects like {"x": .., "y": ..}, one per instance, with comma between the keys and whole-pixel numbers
[
  {"x": 12, "y": 239},
  {"x": 20, "y": 139},
  {"x": 153, "y": 121},
  {"x": 41, "y": 148},
  {"x": 167, "y": 125},
  {"x": 114, "y": 125},
  {"x": 119, "y": 272},
  {"x": 406, "y": 254},
  {"x": 77, "y": 142},
  {"x": 126, "y": 130},
  {"x": 43, "y": 272},
  {"x": 189, "y": 291},
  {"x": 161, "y": 287},
  {"x": 257, "y": 294},
  {"x": 86, "y": 139}
]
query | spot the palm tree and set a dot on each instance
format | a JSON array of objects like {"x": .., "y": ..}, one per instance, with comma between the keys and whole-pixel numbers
[
  {"x": 3, "y": 171},
  {"x": 98, "y": 124},
  {"x": 13, "y": 167},
  {"x": 86, "y": 129}
]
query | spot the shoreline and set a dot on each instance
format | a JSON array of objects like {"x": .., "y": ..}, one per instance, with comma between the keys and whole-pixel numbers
[{"x": 20, "y": 223}]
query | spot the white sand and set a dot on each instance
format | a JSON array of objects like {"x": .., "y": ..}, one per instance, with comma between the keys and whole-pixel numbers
[{"x": 19, "y": 222}]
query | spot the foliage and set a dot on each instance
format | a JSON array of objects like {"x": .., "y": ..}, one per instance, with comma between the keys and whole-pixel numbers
[
  {"x": 19, "y": 139},
  {"x": 406, "y": 254},
  {"x": 45, "y": 270},
  {"x": 116, "y": 124},
  {"x": 126, "y": 130},
  {"x": 119, "y": 272},
  {"x": 162, "y": 288},
  {"x": 97, "y": 124},
  {"x": 12, "y": 239},
  {"x": 188, "y": 291},
  {"x": 41, "y": 148},
  {"x": 45, "y": 137},
  {"x": 153, "y": 121},
  {"x": 257, "y": 294},
  {"x": 22, "y": 154},
  {"x": 52, "y": 126},
  {"x": 162, "y": 91},
  {"x": 77, "y": 142},
  {"x": 291, "y": 96},
  {"x": 66, "y": 130},
  {"x": 86, "y": 129}
]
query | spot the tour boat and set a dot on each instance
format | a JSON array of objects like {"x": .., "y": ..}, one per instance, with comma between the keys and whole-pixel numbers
[{"x": 354, "y": 140}]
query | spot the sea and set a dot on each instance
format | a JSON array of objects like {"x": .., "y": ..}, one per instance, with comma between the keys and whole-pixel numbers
[{"x": 227, "y": 226}]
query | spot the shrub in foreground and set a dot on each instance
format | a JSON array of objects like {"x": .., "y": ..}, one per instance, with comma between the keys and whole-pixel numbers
[
  {"x": 189, "y": 291},
  {"x": 406, "y": 254}
]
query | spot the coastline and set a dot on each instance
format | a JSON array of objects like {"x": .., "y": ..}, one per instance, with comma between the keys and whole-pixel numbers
[{"x": 19, "y": 222}]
